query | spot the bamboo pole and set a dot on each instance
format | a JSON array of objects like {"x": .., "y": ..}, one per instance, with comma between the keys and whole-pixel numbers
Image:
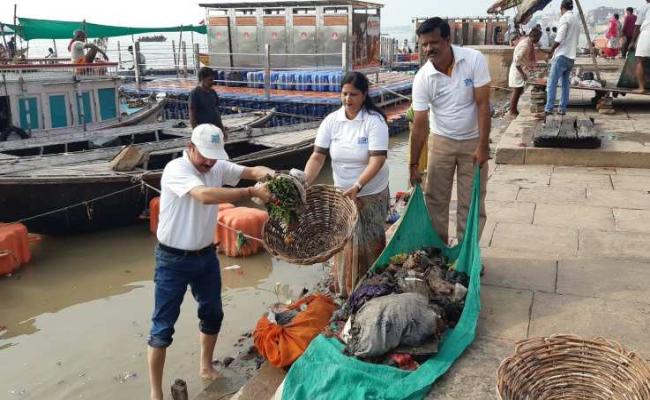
[{"x": 591, "y": 45}]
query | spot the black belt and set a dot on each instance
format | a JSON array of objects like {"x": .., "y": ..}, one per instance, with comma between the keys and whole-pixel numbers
[{"x": 180, "y": 252}]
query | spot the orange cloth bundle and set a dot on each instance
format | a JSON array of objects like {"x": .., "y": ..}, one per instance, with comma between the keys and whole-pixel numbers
[{"x": 282, "y": 345}]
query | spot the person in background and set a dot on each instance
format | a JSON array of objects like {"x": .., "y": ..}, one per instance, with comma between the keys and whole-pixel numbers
[
  {"x": 545, "y": 41},
  {"x": 356, "y": 139},
  {"x": 204, "y": 102},
  {"x": 77, "y": 46},
  {"x": 451, "y": 100},
  {"x": 11, "y": 48},
  {"x": 522, "y": 59},
  {"x": 191, "y": 189},
  {"x": 140, "y": 60},
  {"x": 641, "y": 44},
  {"x": 563, "y": 55},
  {"x": 613, "y": 36},
  {"x": 50, "y": 53},
  {"x": 628, "y": 30}
]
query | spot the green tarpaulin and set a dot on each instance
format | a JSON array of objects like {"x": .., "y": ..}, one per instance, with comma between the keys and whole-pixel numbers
[
  {"x": 30, "y": 28},
  {"x": 325, "y": 372}
]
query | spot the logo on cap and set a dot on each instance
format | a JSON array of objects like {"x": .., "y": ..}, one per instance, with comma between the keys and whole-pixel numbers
[{"x": 215, "y": 139}]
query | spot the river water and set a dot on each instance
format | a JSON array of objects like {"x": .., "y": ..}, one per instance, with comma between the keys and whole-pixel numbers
[{"x": 74, "y": 322}]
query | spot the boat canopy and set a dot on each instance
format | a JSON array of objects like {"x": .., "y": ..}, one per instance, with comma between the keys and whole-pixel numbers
[
  {"x": 30, "y": 28},
  {"x": 6, "y": 29},
  {"x": 525, "y": 8}
]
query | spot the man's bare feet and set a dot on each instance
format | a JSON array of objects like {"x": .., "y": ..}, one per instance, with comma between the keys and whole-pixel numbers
[
  {"x": 156, "y": 397},
  {"x": 512, "y": 116},
  {"x": 640, "y": 91},
  {"x": 209, "y": 373}
]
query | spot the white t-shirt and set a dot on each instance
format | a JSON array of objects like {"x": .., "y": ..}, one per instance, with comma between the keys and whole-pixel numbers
[
  {"x": 349, "y": 143},
  {"x": 186, "y": 223},
  {"x": 77, "y": 50},
  {"x": 643, "y": 17},
  {"x": 453, "y": 112},
  {"x": 568, "y": 33}
]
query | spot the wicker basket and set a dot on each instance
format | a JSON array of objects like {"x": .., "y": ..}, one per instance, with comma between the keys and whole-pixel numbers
[
  {"x": 569, "y": 367},
  {"x": 325, "y": 223}
]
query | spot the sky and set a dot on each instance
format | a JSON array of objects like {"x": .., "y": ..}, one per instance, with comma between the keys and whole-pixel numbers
[{"x": 164, "y": 13}]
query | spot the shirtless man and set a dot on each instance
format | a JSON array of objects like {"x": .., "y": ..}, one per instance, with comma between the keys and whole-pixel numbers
[{"x": 78, "y": 45}]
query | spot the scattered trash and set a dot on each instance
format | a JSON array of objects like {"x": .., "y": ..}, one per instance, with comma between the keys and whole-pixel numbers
[
  {"x": 232, "y": 267},
  {"x": 125, "y": 377},
  {"x": 227, "y": 361},
  {"x": 17, "y": 392}
]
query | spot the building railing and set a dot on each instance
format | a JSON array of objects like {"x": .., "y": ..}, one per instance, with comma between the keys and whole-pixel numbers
[{"x": 33, "y": 70}]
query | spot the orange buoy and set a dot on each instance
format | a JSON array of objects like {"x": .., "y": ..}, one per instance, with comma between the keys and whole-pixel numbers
[
  {"x": 14, "y": 247},
  {"x": 154, "y": 212},
  {"x": 249, "y": 221}
]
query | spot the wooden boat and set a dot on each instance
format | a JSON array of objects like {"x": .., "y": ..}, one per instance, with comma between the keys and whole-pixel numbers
[
  {"x": 78, "y": 191},
  {"x": 51, "y": 99},
  {"x": 118, "y": 136}
]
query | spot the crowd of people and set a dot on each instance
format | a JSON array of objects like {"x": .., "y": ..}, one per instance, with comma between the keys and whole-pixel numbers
[
  {"x": 451, "y": 103},
  {"x": 561, "y": 47}
]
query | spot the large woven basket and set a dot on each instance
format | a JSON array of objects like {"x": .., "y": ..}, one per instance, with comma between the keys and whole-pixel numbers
[
  {"x": 325, "y": 223},
  {"x": 569, "y": 367}
]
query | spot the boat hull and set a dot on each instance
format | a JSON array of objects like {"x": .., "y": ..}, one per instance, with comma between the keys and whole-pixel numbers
[{"x": 89, "y": 204}]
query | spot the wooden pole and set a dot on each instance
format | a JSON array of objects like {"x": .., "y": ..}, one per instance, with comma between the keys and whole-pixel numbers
[
  {"x": 136, "y": 65},
  {"x": 175, "y": 62},
  {"x": 267, "y": 71},
  {"x": 56, "y": 51},
  {"x": 591, "y": 45},
  {"x": 119, "y": 55},
  {"x": 15, "y": 20}
]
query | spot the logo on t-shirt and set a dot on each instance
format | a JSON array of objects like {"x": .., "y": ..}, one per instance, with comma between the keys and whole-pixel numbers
[
  {"x": 469, "y": 82},
  {"x": 362, "y": 140},
  {"x": 215, "y": 139}
]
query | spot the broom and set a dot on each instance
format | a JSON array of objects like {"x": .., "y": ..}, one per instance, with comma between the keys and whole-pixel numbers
[{"x": 568, "y": 134}]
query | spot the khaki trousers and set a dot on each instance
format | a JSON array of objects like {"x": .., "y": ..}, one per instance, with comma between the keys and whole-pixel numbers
[{"x": 448, "y": 157}]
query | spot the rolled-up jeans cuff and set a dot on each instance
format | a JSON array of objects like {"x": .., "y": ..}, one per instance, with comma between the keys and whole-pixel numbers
[
  {"x": 158, "y": 342},
  {"x": 210, "y": 327}
]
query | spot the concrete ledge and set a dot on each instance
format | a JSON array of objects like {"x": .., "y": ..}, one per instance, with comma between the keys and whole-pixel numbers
[{"x": 626, "y": 142}]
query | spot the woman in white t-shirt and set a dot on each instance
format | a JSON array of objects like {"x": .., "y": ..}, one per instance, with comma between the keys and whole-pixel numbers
[{"x": 356, "y": 138}]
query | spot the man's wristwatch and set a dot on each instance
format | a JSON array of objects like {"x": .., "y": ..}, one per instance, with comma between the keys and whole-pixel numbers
[{"x": 358, "y": 185}]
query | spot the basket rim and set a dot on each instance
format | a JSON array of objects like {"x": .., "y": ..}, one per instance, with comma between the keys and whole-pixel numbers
[
  {"x": 325, "y": 255},
  {"x": 641, "y": 366}
]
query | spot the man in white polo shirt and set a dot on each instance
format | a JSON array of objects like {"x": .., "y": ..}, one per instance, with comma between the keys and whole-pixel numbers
[
  {"x": 451, "y": 99},
  {"x": 642, "y": 45},
  {"x": 191, "y": 189},
  {"x": 563, "y": 54}
]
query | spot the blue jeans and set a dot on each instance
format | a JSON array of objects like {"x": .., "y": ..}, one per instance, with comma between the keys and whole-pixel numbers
[
  {"x": 560, "y": 71},
  {"x": 173, "y": 274}
]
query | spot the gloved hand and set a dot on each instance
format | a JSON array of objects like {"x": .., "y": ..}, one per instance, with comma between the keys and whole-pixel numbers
[
  {"x": 258, "y": 186},
  {"x": 300, "y": 175}
]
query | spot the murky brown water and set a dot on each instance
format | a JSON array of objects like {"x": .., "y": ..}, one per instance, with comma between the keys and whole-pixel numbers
[{"x": 77, "y": 317}]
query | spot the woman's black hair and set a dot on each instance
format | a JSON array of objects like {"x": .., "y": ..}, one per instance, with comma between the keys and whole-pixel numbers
[{"x": 360, "y": 81}]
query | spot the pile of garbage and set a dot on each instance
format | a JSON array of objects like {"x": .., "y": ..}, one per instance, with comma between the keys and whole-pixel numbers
[{"x": 397, "y": 316}]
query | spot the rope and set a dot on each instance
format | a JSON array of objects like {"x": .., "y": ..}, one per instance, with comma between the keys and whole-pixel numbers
[
  {"x": 86, "y": 203},
  {"x": 390, "y": 91}
]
